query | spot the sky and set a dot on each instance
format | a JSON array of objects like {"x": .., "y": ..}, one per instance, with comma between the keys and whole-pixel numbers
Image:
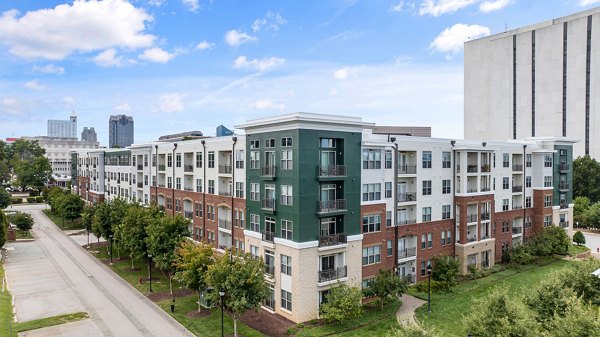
[{"x": 182, "y": 65}]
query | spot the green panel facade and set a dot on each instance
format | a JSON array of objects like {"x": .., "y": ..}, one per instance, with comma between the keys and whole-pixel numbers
[
  {"x": 305, "y": 181},
  {"x": 563, "y": 174},
  {"x": 73, "y": 169}
]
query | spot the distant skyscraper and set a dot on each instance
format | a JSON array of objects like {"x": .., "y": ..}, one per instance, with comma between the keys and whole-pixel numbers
[
  {"x": 62, "y": 128},
  {"x": 223, "y": 131},
  {"x": 89, "y": 135},
  {"x": 120, "y": 131}
]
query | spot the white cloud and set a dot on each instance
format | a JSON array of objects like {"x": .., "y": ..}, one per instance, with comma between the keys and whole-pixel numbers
[
  {"x": 157, "y": 55},
  {"x": 122, "y": 107},
  {"x": 170, "y": 102},
  {"x": 588, "y": 2},
  {"x": 267, "y": 104},
  {"x": 270, "y": 21},
  {"x": 10, "y": 106},
  {"x": 34, "y": 85},
  {"x": 49, "y": 69},
  {"x": 402, "y": 60},
  {"x": 345, "y": 73},
  {"x": 494, "y": 5},
  {"x": 204, "y": 45},
  {"x": 156, "y": 3},
  {"x": 451, "y": 40},
  {"x": 236, "y": 38},
  {"x": 83, "y": 26},
  {"x": 397, "y": 7},
  {"x": 439, "y": 7},
  {"x": 68, "y": 102},
  {"x": 109, "y": 58},
  {"x": 191, "y": 5},
  {"x": 258, "y": 64}
]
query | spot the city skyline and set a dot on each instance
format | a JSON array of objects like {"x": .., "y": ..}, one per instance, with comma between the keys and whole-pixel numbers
[{"x": 186, "y": 65}]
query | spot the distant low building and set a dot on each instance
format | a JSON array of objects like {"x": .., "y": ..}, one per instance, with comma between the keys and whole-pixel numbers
[
  {"x": 89, "y": 135},
  {"x": 63, "y": 128},
  {"x": 223, "y": 131},
  {"x": 415, "y": 131},
  {"x": 182, "y": 136}
]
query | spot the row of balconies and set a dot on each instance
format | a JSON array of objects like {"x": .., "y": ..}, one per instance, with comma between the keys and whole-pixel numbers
[{"x": 324, "y": 275}]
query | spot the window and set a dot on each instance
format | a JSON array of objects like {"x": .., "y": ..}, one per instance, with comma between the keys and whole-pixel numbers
[
  {"x": 254, "y": 144},
  {"x": 528, "y": 160},
  {"x": 388, "y": 189},
  {"x": 443, "y": 241},
  {"x": 287, "y": 229},
  {"x": 239, "y": 190},
  {"x": 446, "y": 158},
  {"x": 527, "y": 202},
  {"x": 423, "y": 241},
  {"x": 547, "y": 220},
  {"x": 286, "y": 264},
  {"x": 371, "y": 159},
  {"x": 445, "y": 211},
  {"x": 367, "y": 283},
  {"x": 169, "y": 160},
  {"x": 505, "y": 226},
  {"x": 426, "y": 159},
  {"x": 426, "y": 187},
  {"x": 429, "y": 240},
  {"x": 254, "y": 159},
  {"x": 286, "y": 300},
  {"x": 211, "y": 159},
  {"x": 328, "y": 143},
  {"x": 371, "y": 223},
  {"x": 426, "y": 214},
  {"x": 199, "y": 159},
  {"x": 211, "y": 186},
  {"x": 177, "y": 205},
  {"x": 547, "y": 181},
  {"x": 255, "y": 222},
  {"x": 153, "y": 160},
  {"x": 178, "y": 183},
  {"x": 286, "y": 141},
  {"x": 239, "y": 159},
  {"x": 527, "y": 222},
  {"x": 388, "y": 218},
  {"x": 505, "y": 204},
  {"x": 371, "y": 255},
  {"x": 547, "y": 160},
  {"x": 388, "y": 159},
  {"x": 448, "y": 236},
  {"x": 371, "y": 192},
  {"x": 169, "y": 182},
  {"x": 390, "y": 245},
  {"x": 270, "y": 143},
  {"x": 198, "y": 209},
  {"x": 528, "y": 181},
  {"x": 254, "y": 191},
  {"x": 254, "y": 252},
  {"x": 145, "y": 160},
  {"x": 547, "y": 200},
  {"x": 446, "y": 186},
  {"x": 286, "y": 195},
  {"x": 424, "y": 265},
  {"x": 505, "y": 160},
  {"x": 286, "y": 159},
  {"x": 505, "y": 183},
  {"x": 242, "y": 222},
  {"x": 178, "y": 160}
]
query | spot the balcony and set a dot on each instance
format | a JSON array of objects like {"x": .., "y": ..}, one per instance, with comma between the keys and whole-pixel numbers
[
  {"x": 226, "y": 193},
  {"x": 485, "y": 216},
  {"x": 517, "y": 189},
  {"x": 564, "y": 224},
  {"x": 564, "y": 167},
  {"x": 188, "y": 214},
  {"x": 268, "y": 236},
  {"x": 332, "y": 239},
  {"x": 407, "y": 222},
  {"x": 161, "y": 185},
  {"x": 472, "y": 190},
  {"x": 268, "y": 171},
  {"x": 517, "y": 167},
  {"x": 518, "y": 206},
  {"x": 485, "y": 168},
  {"x": 407, "y": 169},
  {"x": 407, "y": 197},
  {"x": 270, "y": 270},
  {"x": 225, "y": 224},
  {"x": 333, "y": 274},
  {"x": 329, "y": 206},
  {"x": 325, "y": 171},
  {"x": 189, "y": 189},
  {"x": 485, "y": 189},
  {"x": 472, "y": 169},
  {"x": 564, "y": 186},
  {"x": 140, "y": 185},
  {"x": 472, "y": 218},
  {"x": 140, "y": 167},
  {"x": 161, "y": 167},
  {"x": 268, "y": 204},
  {"x": 517, "y": 230},
  {"x": 564, "y": 205},
  {"x": 225, "y": 169},
  {"x": 407, "y": 252},
  {"x": 188, "y": 168}
]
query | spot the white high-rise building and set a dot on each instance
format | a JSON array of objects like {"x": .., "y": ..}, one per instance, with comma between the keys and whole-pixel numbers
[
  {"x": 539, "y": 80},
  {"x": 63, "y": 129}
]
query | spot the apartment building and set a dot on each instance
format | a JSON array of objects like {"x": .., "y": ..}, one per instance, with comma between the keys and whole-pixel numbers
[{"x": 323, "y": 199}]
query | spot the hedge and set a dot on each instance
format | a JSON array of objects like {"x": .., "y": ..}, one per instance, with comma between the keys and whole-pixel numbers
[
  {"x": 16, "y": 200},
  {"x": 31, "y": 200}
]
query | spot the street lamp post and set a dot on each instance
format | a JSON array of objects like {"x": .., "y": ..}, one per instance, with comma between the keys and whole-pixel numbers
[
  {"x": 110, "y": 239},
  {"x": 150, "y": 271},
  {"x": 222, "y": 294},
  {"x": 429, "y": 289}
]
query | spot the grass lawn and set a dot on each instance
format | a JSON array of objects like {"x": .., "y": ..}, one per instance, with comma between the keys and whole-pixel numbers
[
  {"x": 50, "y": 321},
  {"x": 66, "y": 224},
  {"x": 448, "y": 308},
  {"x": 6, "y": 315},
  {"x": 576, "y": 250},
  {"x": 205, "y": 326},
  {"x": 24, "y": 234}
]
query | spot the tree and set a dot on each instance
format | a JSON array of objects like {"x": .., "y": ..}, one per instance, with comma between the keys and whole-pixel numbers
[
  {"x": 107, "y": 215},
  {"x": 165, "y": 234},
  {"x": 3, "y": 228},
  {"x": 87, "y": 216},
  {"x": 192, "y": 262},
  {"x": 70, "y": 206},
  {"x": 23, "y": 221},
  {"x": 579, "y": 278},
  {"x": 134, "y": 232},
  {"x": 53, "y": 195},
  {"x": 342, "y": 302},
  {"x": 410, "y": 330},
  {"x": 549, "y": 298},
  {"x": 577, "y": 321},
  {"x": 592, "y": 216},
  {"x": 242, "y": 280},
  {"x": 388, "y": 285},
  {"x": 4, "y": 198},
  {"x": 579, "y": 238},
  {"x": 552, "y": 240},
  {"x": 580, "y": 209},
  {"x": 35, "y": 172},
  {"x": 586, "y": 178},
  {"x": 445, "y": 271}
]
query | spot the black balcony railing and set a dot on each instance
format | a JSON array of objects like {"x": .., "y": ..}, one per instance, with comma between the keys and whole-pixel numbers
[
  {"x": 268, "y": 236},
  {"x": 407, "y": 252},
  {"x": 140, "y": 167},
  {"x": 140, "y": 185},
  {"x": 332, "y": 239},
  {"x": 333, "y": 274},
  {"x": 268, "y": 171},
  {"x": 407, "y": 169},
  {"x": 270, "y": 270},
  {"x": 472, "y": 218},
  {"x": 564, "y": 224},
  {"x": 472, "y": 169},
  {"x": 564, "y": 205},
  {"x": 328, "y": 206},
  {"x": 226, "y": 224},
  {"x": 188, "y": 168},
  {"x": 518, "y": 206},
  {"x": 161, "y": 167},
  {"x": 471, "y": 239},
  {"x": 406, "y": 197},
  {"x": 485, "y": 216},
  {"x": 564, "y": 186},
  {"x": 188, "y": 214},
  {"x": 407, "y": 221},
  {"x": 517, "y": 230},
  {"x": 485, "y": 189},
  {"x": 225, "y": 169},
  {"x": 517, "y": 189},
  {"x": 517, "y": 167},
  {"x": 485, "y": 168},
  {"x": 472, "y": 190},
  {"x": 268, "y": 203},
  {"x": 189, "y": 189},
  {"x": 225, "y": 193},
  {"x": 564, "y": 166},
  {"x": 331, "y": 170}
]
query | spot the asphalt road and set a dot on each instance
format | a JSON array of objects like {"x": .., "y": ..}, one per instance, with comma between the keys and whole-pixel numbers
[{"x": 116, "y": 308}]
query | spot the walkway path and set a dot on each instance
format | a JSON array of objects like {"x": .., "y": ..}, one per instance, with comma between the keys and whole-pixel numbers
[
  {"x": 116, "y": 308},
  {"x": 406, "y": 313}
]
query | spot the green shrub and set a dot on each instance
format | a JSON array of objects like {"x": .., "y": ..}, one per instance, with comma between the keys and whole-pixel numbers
[
  {"x": 34, "y": 193},
  {"x": 579, "y": 238},
  {"x": 436, "y": 286},
  {"x": 39, "y": 199},
  {"x": 522, "y": 255},
  {"x": 343, "y": 302},
  {"x": 291, "y": 331},
  {"x": 16, "y": 200},
  {"x": 445, "y": 270},
  {"x": 31, "y": 200}
]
